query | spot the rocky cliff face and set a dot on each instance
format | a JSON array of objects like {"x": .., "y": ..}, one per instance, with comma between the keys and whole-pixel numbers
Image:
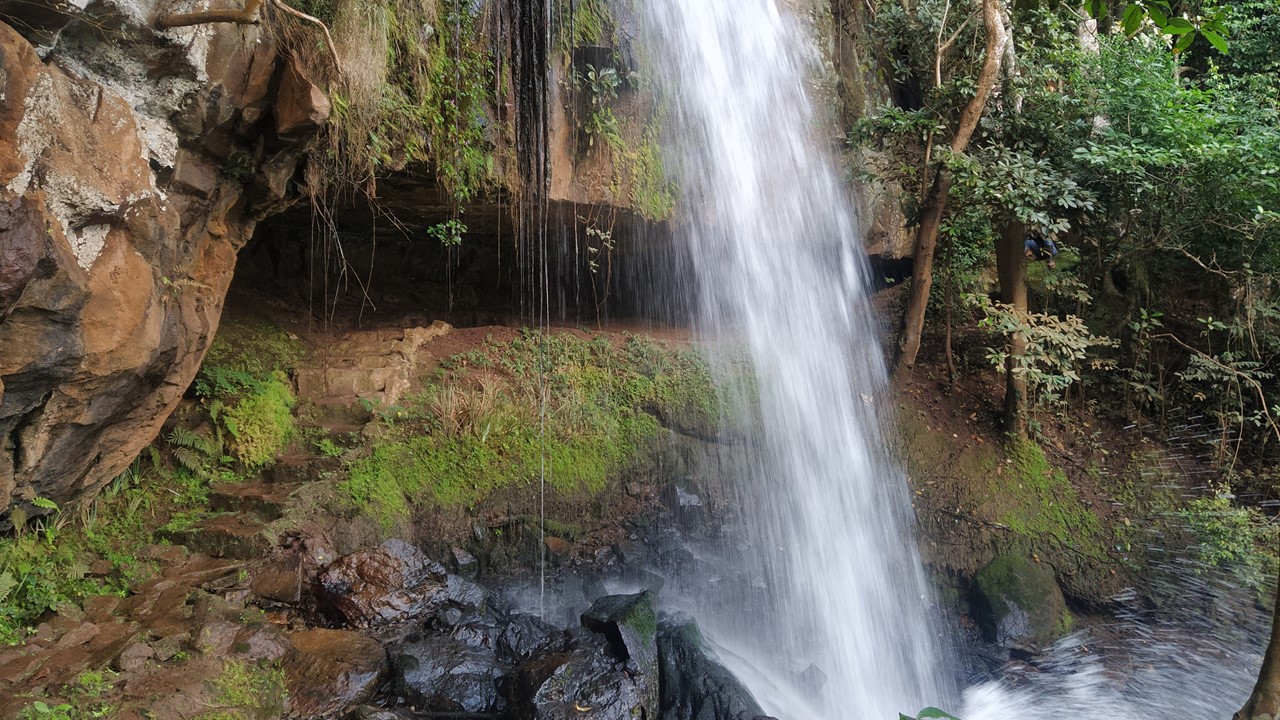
[{"x": 134, "y": 163}]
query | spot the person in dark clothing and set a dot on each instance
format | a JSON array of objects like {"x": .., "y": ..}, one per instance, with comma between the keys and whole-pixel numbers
[{"x": 1041, "y": 249}]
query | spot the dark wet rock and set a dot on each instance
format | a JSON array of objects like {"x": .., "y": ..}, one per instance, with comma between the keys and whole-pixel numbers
[
  {"x": 585, "y": 685},
  {"x": 524, "y": 637},
  {"x": 329, "y": 671},
  {"x": 686, "y": 501},
  {"x": 366, "y": 712},
  {"x": 280, "y": 580},
  {"x": 695, "y": 686},
  {"x": 464, "y": 594},
  {"x": 465, "y": 564},
  {"x": 392, "y": 582},
  {"x": 1019, "y": 604},
  {"x": 224, "y": 536},
  {"x": 630, "y": 625},
  {"x": 445, "y": 675}
]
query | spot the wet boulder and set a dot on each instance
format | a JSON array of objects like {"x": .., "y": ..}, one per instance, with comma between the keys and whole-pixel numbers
[
  {"x": 525, "y": 637},
  {"x": 1019, "y": 604},
  {"x": 392, "y": 582},
  {"x": 695, "y": 686},
  {"x": 581, "y": 685},
  {"x": 328, "y": 671},
  {"x": 442, "y": 674},
  {"x": 630, "y": 625}
]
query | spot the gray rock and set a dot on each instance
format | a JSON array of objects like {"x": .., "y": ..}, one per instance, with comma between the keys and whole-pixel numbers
[{"x": 442, "y": 674}]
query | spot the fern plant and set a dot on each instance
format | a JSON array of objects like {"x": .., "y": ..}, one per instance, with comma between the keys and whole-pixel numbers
[{"x": 193, "y": 451}]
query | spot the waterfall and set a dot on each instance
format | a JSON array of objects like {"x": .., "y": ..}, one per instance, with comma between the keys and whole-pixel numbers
[{"x": 775, "y": 246}]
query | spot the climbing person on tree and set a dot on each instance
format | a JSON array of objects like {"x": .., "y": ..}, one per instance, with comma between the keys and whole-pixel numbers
[{"x": 1041, "y": 249}]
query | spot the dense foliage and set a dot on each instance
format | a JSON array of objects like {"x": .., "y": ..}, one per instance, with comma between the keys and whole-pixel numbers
[{"x": 1150, "y": 152}]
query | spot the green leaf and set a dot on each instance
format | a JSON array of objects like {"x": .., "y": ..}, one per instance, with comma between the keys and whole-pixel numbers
[
  {"x": 1158, "y": 16},
  {"x": 1216, "y": 40},
  {"x": 1132, "y": 19},
  {"x": 1094, "y": 8},
  {"x": 44, "y": 503},
  {"x": 933, "y": 712},
  {"x": 1178, "y": 26},
  {"x": 1184, "y": 42}
]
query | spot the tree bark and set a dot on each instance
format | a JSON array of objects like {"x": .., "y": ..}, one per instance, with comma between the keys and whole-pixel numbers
[
  {"x": 248, "y": 15},
  {"x": 1265, "y": 700},
  {"x": 1011, "y": 264},
  {"x": 936, "y": 204}
]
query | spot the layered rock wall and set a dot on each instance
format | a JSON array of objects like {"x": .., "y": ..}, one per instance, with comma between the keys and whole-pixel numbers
[{"x": 134, "y": 163}]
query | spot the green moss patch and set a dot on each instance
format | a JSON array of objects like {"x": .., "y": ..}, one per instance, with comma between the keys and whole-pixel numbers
[
  {"x": 248, "y": 691},
  {"x": 1039, "y": 503},
  {"x": 575, "y": 409}
]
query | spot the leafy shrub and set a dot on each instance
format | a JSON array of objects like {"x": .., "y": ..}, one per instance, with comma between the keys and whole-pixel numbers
[
  {"x": 261, "y": 422},
  {"x": 1238, "y": 538}
]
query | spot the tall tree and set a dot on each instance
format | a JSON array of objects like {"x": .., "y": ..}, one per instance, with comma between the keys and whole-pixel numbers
[{"x": 935, "y": 206}]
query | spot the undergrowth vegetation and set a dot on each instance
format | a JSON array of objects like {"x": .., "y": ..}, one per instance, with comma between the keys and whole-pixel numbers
[
  {"x": 585, "y": 405},
  {"x": 246, "y": 690},
  {"x": 242, "y": 421},
  {"x": 63, "y": 558},
  {"x": 417, "y": 85},
  {"x": 248, "y": 396}
]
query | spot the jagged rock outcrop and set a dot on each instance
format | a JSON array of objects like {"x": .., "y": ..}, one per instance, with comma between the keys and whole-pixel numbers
[{"x": 134, "y": 163}]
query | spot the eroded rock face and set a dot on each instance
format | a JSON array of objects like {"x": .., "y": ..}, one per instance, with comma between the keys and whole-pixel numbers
[{"x": 133, "y": 165}]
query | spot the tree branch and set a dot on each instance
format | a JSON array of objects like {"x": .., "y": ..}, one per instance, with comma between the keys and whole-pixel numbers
[
  {"x": 250, "y": 14},
  {"x": 1248, "y": 379}
]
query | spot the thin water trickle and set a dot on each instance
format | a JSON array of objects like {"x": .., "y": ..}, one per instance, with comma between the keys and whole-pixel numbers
[{"x": 825, "y": 572}]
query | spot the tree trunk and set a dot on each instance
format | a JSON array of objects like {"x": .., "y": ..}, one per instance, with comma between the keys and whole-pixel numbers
[
  {"x": 1011, "y": 263},
  {"x": 936, "y": 205},
  {"x": 922, "y": 270},
  {"x": 1265, "y": 700}
]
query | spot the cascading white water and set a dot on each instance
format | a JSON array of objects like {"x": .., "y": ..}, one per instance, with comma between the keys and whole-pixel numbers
[
  {"x": 836, "y": 577},
  {"x": 773, "y": 241}
]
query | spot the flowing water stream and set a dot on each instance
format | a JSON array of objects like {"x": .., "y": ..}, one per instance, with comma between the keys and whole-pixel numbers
[
  {"x": 835, "y": 578},
  {"x": 774, "y": 244}
]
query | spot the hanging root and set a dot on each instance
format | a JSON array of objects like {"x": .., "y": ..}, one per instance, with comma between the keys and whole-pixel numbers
[{"x": 333, "y": 50}]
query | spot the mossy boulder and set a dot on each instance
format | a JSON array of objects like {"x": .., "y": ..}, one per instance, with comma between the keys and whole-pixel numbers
[
  {"x": 631, "y": 627},
  {"x": 1019, "y": 603}
]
